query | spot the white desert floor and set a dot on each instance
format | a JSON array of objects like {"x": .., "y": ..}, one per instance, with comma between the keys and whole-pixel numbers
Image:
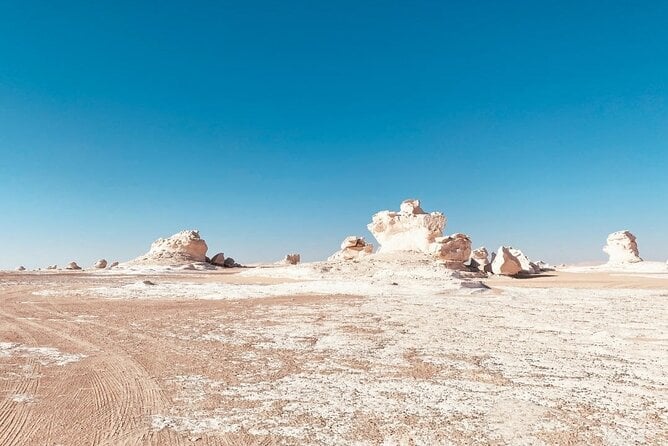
[{"x": 377, "y": 352}]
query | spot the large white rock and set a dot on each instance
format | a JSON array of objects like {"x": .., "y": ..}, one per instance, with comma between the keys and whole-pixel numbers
[
  {"x": 453, "y": 250},
  {"x": 528, "y": 266},
  {"x": 100, "y": 264},
  {"x": 352, "y": 247},
  {"x": 505, "y": 263},
  {"x": 410, "y": 229},
  {"x": 621, "y": 246},
  {"x": 181, "y": 248}
]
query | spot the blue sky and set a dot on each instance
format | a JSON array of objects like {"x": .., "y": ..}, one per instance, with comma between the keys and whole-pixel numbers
[{"x": 283, "y": 126}]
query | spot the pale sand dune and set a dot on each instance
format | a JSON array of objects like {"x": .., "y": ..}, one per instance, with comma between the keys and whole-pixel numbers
[{"x": 256, "y": 358}]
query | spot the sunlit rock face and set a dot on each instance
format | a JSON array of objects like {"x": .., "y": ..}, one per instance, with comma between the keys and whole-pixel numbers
[
  {"x": 182, "y": 247},
  {"x": 452, "y": 250},
  {"x": 621, "y": 247},
  {"x": 505, "y": 263},
  {"x": 352, "y": 247},
  {"x": 528, "y": 267},
  {"x": 480, "y": 260},
  {"x": 409, "y": 229}
]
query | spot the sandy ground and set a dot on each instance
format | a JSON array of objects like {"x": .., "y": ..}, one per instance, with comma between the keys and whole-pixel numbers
[{"x": 223, "y": 359}]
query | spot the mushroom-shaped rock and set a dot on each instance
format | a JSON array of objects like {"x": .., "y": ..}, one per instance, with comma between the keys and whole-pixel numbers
[
  {"x": 453, "y": 250},
  {"x": 101, "y": 264},
  {"x": 180, "y": 249},
  {"x": 505, "y": 263},
  {"x": 218, "y": 259},
  {"x": 21, "y": 268},
  {"x": 291, "y": 259},
  {"x": 622, "y": 248},
  {"x": 73, "y": 266},
  {"x": 480, "y": 260},
  {"x": 410, "y": 229},
  {"x": 352, "y": 247}
]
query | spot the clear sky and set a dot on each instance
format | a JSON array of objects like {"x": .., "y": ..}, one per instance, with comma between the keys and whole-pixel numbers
[{"x": 283, "y": 126}]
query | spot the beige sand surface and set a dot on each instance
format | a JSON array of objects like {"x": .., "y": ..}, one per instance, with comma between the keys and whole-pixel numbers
[{"x": 561, "y": 359}]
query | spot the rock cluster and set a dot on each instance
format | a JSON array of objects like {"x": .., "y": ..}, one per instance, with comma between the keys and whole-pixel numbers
[
  {"x": 509, "y": 261},
  {"x": 622, "y": 248},
  {"x": 413, "y": 229},
  {"x": 410, "y": 229},
  {"x": 352, "y": 247},
  {"x": 505, "y": 263},
  {"x": 181, "y": 248}
]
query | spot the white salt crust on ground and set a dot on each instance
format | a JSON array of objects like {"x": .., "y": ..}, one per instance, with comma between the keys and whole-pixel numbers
[
  {"x": 645, "y": 267},
  {"x": 406, "y": 275},
  {"x": 520, "y": 368}
]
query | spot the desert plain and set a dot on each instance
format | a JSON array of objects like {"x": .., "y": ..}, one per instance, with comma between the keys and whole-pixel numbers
[
  {"x": 230, "y": 359},
  {"x": 398, "y": 347}
]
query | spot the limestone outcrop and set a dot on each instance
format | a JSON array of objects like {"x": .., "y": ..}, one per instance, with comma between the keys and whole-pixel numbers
[
  {"x": 73, "y": 266},
  {"x": 52, "y": 267},
  {"x": 622, "y": 248},
  {"x": 113, "y": 265},
  {"x": 505, "y": 263},
  {"x": 352, "y": 247},
  {"x": 291, "y": 259},
  {"x": 101, "y": 264},
  {"x": 218, "y": 259},
  {"x": 410, "y": 229},
  {"x": 479, "y": 260},
  {"x": 528, "y": 267},
  {"x": 179, "y": 249},
  {"x": 452, "y": 250}
]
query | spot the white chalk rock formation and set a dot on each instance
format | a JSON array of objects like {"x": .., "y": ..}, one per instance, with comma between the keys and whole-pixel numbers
[
  {"x": 101, "y": 264},
  {"x": 21, "y": 268},
  {"x": 505, "y": 263},
  {"x": 113, "y": 265},
  {"x": 291, "y": 259},
  {"x": 410, "y": 229},
  {"x": 218, "y": 259},
  {"x": 181, "y": 248},
  {"x": 73, "y": 266},
  {"x": 528, "y": 267},
  {"x": 622, "y": 248},
  {"x": 52, "y": 267},
  {"x": 352, "y": 247},
  {"x": 452, "y": 250},
  {"x": 480, "y": 260}
]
